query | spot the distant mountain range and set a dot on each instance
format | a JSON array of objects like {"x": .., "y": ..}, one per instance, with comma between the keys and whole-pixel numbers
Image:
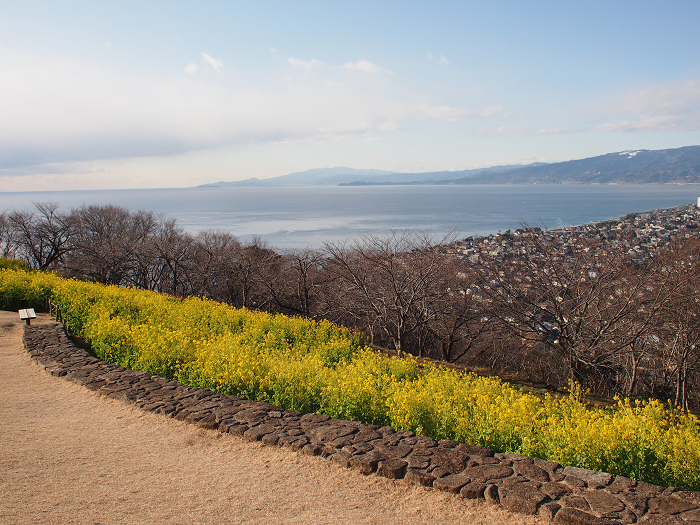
[{"x": 668, "y": 166}]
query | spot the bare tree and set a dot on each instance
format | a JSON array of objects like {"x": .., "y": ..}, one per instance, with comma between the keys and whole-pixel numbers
[
  {"x": 41, "y": 237},
  {"x": 391, "y": 280},
  {"x": 458, "y": 319},
  {"x": 8, "y": 248},
  {"x": 216, "y": 262},
  {"x": 257, "y": 272},
  {"x": 587, "y": 308},
  {"x": 174, "y": 250},
  {"x": 109, "y": 244},
  {"x": 679, "y": 322}
]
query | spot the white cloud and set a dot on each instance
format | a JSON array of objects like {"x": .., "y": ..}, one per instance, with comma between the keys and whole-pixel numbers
[
  {"x": 272, "y": 50},
  {"x": 191, "y": 68},
  {"x": 56, "y": 111},
  {"x": 430, "y": 55},
  {"x": 673, "y": 106},
  {"x": 493, "y": 112},
  {"x": 366, "y": 66},
  {"x": 443, "y": 60},
  {"x": 213, "y": 62},
  {"x": 501, "y": 131},
  {"x": 306, "y": 65}
]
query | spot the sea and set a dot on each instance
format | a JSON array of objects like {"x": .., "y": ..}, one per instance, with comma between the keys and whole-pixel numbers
[{"x": 307, "y": 217}]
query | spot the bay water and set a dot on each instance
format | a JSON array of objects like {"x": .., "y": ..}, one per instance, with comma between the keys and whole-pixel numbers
[{"x": 300, "y": 217}]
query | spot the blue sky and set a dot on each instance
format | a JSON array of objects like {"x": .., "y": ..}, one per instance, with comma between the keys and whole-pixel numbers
[{"x": 168, "y": 94}]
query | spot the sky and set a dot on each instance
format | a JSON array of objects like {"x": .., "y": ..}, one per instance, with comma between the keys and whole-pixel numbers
[{"x": 155, "y": 94}]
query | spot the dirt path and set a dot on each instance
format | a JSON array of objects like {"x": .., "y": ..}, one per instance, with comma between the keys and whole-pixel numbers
[{"x": 68, "y": 455}]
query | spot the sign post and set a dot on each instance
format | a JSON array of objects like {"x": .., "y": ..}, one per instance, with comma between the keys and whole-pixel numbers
[{"x": 27, "y": 315}]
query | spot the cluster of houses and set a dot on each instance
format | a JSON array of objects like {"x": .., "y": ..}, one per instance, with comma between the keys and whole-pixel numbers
[{"x": 638, "y": 235}]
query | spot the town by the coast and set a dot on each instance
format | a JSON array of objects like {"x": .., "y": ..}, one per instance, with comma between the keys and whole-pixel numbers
[{"x": 638, "y": 235}]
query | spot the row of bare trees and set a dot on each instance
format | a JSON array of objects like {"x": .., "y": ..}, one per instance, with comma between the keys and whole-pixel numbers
[
  {"x": 612, "y": 323},
  {"x": 606, "y": 320}
]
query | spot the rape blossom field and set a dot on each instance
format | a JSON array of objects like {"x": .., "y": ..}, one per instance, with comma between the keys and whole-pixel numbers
[{"x": 316, "y": 366}]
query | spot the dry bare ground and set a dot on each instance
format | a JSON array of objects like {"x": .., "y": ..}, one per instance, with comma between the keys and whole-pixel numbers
[{"x": 68, "y": 455}]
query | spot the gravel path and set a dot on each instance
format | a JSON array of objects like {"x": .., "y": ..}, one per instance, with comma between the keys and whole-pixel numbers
[{"x": 68, "y": 455}]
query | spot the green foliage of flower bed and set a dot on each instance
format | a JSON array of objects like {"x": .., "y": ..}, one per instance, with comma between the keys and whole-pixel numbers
[{"x": 317, "y": 366}]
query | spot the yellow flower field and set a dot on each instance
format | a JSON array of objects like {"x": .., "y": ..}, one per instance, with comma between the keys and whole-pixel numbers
[{"x": 320, "y": 367}]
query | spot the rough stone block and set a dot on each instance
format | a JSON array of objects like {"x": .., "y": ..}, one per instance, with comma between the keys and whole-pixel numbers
[
  {"x": 341, "y": 458},
  {"x": 238, "y": 429},
  {"x": 602, "y": 502},
  {"x": 530, "y": 471},
  {"x": 637, "y": 503},
  {"x": 574, "y": 482},
  {"x": 299, "y": 443},
  {"x": 669, "y": 505},
  {"x": 627, "y": 517},
  {"x": 440, "y": 472},
  {"x": 593, "y": 479},
  {"x": 549, "y": 510},
  {"x": 692, "y": 516},
  {"x": 576, "y": 502},
  {"x": 523, "y": 498},
  {"x": 693, "y": 497},
  {"x": 451, "y": 460},
  {"x": 419, "y": 462},
  {"x": 250, "y": 416},
  {"x": 419, "y": 477},
  {"x": 452, "y": 483},
  {"x": 328, "y": 433},
  {"x": 571, "y": 516},
  {"x": 485, "y": 473},
  {"x": 473, "y": 490},
  {"x": 392, "y": 468},
  {"x": 396, "y": 451},
  {"x": 555, "y": 490},
  {"x": 656, "y": 519},
  {"x": 491, "y": 495},
  {"x": 208, "y": 422},
  {"x": 270, "y": 439},
  {"x": 475, "y": 461},
  {"x": 474, "y": 450},
  {"x": 620, "y": 484},
  {"x": 647, "y": 489},
  {"x": 386, "y": 430},
  {"x": 366, "y": 435},
  {"x": 256, "y": 433},
  {"x": 312, "y": 449},
  {"x": 366, "y": 463}
]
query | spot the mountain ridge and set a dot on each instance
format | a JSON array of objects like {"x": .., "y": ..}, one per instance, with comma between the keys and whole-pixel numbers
[{"x": 667, "y": 166}]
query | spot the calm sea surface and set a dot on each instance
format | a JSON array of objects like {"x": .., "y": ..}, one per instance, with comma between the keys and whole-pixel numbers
[{"x": 301, "y": 217}]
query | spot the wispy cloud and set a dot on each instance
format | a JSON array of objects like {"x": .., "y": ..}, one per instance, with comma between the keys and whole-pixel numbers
[
  {"x": 308, "y": 64},
  {"x": 213, "y": 62},
  {"x": 442, "y": 59},
  {"x": 669, "y": 107},
  {"x": 673, "y": 106},
  {"x": 500, "y": 131},
  {"x": 63, "y": 111},
  {"x": 366, "y": 66},
  {"x": 191, "y": 68}
]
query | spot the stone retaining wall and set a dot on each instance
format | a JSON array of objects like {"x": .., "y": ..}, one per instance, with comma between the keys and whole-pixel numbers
[{"x": 520, "y": 484}]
